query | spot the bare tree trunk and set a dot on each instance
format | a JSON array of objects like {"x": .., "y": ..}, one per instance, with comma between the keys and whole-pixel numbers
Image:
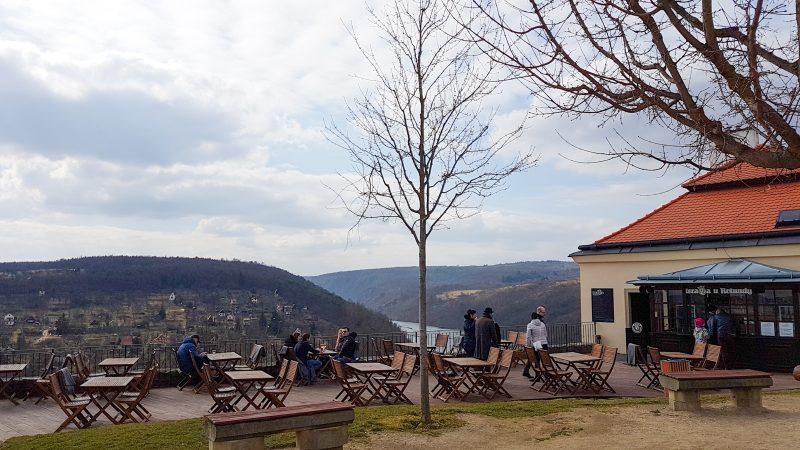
[{"x": 423, "y": 331}]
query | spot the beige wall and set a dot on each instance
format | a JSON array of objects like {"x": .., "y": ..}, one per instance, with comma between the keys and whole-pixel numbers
[{"x": 614, "y": 271}]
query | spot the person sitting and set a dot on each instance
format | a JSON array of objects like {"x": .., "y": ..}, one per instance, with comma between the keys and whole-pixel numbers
[
  {"x": 186, "y": 352},
  {"x": 340, "y": 335},
  {"x": 349, "y": 347},
  {"x": 293, "y": 339},
  {"x": 302, "y": 351}
]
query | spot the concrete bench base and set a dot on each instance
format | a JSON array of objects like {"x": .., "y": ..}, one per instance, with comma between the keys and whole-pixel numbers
[
  {"x": 332, "y": 438},
  {"x": 683, "y": 388}
]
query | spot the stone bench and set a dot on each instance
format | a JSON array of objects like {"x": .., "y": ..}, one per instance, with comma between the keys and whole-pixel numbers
[
  {"x": 683, "y": 388},
  {"x": 317, "y": 427}
]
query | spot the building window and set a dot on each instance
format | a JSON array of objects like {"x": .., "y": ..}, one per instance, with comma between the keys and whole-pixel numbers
[
  {"x": 776, "y": 313},
  {"x": 743, "y": 314},
  {"x": 671, "y": 312}
]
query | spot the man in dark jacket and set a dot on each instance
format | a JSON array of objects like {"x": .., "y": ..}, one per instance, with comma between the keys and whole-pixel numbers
[
  {"x": 186, "y": 352},
  {"x": 468, "y": 340},
  {"x": 349, "y": 347},
  {"x": 302, "y": 350},
  {"x": 723, "y": 331},
  {"x": 485, "y": 334}
]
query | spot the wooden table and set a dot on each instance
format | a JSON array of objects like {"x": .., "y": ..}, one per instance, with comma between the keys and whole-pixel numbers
[
  {"x": 369, "y": 370},
  {"x": 243, "y": 380},
  {"x": 469, "y": 368},
  {"x": 223, "y": 361},
  {"x": 114, "y": 367},
  {"x": 681, "y": 355},
  {"x": 683, "y": 388},
  {"x": 326, "y": 356},
  {"x": 103, "y": 391},
  {"x": 8, "y": 372},
  {"x": 580, "y": 362}
]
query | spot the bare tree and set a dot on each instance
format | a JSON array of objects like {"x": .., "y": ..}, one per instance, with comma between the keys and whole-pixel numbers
[
  {"x": 721, "y": 75},
  {"x": 422, "y": 148}
]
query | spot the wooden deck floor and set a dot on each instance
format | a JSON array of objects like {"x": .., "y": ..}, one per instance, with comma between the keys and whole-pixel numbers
[{"x": 171, "y": 404}]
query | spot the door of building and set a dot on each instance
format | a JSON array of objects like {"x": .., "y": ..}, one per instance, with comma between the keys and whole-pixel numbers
[{"x": 639, "y": 330}]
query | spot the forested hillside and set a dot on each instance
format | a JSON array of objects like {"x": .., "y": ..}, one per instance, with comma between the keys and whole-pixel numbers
[
  {"x": 201, "y": 284},
  {"x": 512, "y": 290}
]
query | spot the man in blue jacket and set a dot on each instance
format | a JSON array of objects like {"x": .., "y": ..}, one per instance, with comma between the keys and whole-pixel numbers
[{"x": 186, "y": 352}]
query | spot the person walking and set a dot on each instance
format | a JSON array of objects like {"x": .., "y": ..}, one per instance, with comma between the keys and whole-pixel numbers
[
  {"x": 485, "y": 335},
  {"x": 537, "y": 335},
  {"x": 468, "y": 340}
]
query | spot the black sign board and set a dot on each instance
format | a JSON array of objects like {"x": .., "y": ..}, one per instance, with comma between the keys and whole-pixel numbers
[{"x": 602, "y": 305}]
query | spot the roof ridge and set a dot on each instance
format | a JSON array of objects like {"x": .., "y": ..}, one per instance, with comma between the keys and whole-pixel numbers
[
  {"x": 725, "y": 166},
  {"x": 641, "y": 219}
]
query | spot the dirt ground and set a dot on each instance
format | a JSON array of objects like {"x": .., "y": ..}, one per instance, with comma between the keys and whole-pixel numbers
[{"x": 718, "y": 426}]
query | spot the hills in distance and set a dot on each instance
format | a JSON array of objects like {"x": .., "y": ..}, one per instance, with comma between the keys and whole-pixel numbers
[
  {"x": 227, "y": 299},
  {"x": 513, "y": 290}
]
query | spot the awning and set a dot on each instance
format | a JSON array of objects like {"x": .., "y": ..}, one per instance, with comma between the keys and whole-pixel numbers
[{"x": 728, "y": 272}]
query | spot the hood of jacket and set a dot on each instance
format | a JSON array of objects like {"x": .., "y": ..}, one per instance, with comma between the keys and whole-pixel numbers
[
  {"x": 187, "y": 340},
  {"x": 537, "y": 322}
]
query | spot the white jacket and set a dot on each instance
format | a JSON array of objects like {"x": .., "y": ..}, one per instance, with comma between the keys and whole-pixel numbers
[{"x": 537, "y": 331}]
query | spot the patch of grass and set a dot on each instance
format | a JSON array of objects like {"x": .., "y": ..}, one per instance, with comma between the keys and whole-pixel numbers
[{"x": 189, "y": 434}]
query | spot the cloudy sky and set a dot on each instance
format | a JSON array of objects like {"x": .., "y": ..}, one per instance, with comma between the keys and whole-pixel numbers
[{"x": 196, "y": 129}]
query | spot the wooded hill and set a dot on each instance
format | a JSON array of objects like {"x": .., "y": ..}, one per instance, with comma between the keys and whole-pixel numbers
[
  {"x": 112, "y": 280},
  {"x": 513, "y": 290}
]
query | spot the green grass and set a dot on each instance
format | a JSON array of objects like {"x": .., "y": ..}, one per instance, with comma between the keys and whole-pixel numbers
[{"x": 189, "y": 434}]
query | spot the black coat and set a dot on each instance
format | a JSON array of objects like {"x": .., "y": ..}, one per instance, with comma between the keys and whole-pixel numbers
[
  {"x": 485, "y": 337},
  {"x": 468, "y": 340}
]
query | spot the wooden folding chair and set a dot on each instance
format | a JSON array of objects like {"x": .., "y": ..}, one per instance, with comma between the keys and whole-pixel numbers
[
  {"x": 140, "y": 372},
  {"x": 252, "y": 359},
  {"x": 711, "y": 362},
  {"x": 646, "y": 369},
  {"x": 699, "y": 350},
  {"x": 131, "y": 401},
  {"x": 520, "y": 355},
  {"x": 388, "y": 346},
  {"x": 555, "y": 378},
  {"x": 222, "y": 397},
  {"x": 654, "y": 367},
  {"x": 458, "y": 347},
  {"x": 352, "y": 388},
  {"x": 448, "y": 385},
  {"x": 380, "y": 355},
  {"x": 73, "y": 407},
  {"x": 492, "y": 383},
  {"x": 40, "y": 386},
  {"x": 396, "y": 388},
  {"x": 538, "y": 372},
  {"x": 494, "y": 356},
  {"x": 202, "y": 380},
  {"x": 598, "y": 375},
  {"x": 441, "y": 343},
  {"x": 276, "y": 395}
]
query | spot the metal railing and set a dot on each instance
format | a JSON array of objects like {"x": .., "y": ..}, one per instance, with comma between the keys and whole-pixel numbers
[{"x": 561, "y": 337}]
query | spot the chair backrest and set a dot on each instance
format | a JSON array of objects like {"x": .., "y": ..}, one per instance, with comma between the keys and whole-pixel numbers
[
  {"x": 397, "y": 361},
  {"x": 82, "y": 367},
  {"x": 48, "y": 369},
  {"x": 256, "y": 355},
  {"x": 339, "y": 371},
  {"x": 675, "y": 365},
  {"x": 57, "y": 389},
  {"x": 194, "y": 363},
  {"x": 409, "y": 364},
  {"x": 533, "y": 358},
  {"x": 713, "y": 355},
  {"x": 494, "y": 355},
  {"x": 291, "y": 374},
  {"x": 457, "y": 346},
  {"x": 597, "y": 350},
  {"x": 441, "y": 341},
  {"x": 547, "y": 363},
  {"x": 388, "y": 346},
  {"x": 376, "y": 349},
  {"x": 506, "y": 359},
  {"x": 522, "y": 339},
  {"x": 438, "y": 364},
  {"x": 699, "y": 349},
  {"x": 609, "y": 358},
  {"x": 208, "y": 378},
  {"x": 641, "y": 358},
  {"x": 655, "y": 355},
  {"x": 512, "y": 336}
]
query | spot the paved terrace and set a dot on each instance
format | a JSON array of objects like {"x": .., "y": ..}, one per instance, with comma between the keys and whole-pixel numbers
[{"x": 171, "y": 404}]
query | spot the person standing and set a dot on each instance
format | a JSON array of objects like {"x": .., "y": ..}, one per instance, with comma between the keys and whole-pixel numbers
[
  {"x": 710, "y": 324},
  {"x": 468, "y": 340},
  {"x": 700, "y": 331},
  {"x": 537, "y": 332},
  {"x": 723, "y": 331},
  {"x": 485, "y": 334}
]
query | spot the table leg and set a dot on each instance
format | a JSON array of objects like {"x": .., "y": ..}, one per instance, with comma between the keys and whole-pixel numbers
[{"x": 4, "y": 384}]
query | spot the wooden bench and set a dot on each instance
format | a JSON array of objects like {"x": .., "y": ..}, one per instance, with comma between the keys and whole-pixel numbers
[
  {"x": 319, "y": 426},
  {"x": 683, "y": 388}
]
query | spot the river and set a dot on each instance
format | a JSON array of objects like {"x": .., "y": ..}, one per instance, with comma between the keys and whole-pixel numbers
[{"x": 413, "y": 327}]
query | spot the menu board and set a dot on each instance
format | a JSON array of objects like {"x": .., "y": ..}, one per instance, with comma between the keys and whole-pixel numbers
[
  {"x": 767, "y": 328},
  {"x": 602, "y": 305},
  {"x": 786, "y": 329}
]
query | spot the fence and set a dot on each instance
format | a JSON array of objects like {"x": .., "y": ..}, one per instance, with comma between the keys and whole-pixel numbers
[{"x": 561, "y": 337}]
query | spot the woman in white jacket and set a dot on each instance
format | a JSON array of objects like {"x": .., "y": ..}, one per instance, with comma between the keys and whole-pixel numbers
[{"x": 537, "y": 330}]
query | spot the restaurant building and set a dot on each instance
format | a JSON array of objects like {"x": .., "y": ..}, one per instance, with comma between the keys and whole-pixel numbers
[{"x": 731, "y": 240}]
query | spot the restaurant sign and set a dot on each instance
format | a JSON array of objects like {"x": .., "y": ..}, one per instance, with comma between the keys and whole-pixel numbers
[{"x": 702, "y": 290}]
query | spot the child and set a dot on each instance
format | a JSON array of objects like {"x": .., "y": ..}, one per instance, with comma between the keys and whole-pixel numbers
[{"x": 700, "y": 331}]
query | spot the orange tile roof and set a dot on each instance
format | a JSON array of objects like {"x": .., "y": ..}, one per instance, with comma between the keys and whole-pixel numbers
[
  {"x": 714, "y": 213},
  {"x": 736, "y": 171}
]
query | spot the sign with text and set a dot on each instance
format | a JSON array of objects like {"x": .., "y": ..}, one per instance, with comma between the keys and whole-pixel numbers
[
  {"x": 602, "y": 305},
  {"x": 702, "y": 290}
]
